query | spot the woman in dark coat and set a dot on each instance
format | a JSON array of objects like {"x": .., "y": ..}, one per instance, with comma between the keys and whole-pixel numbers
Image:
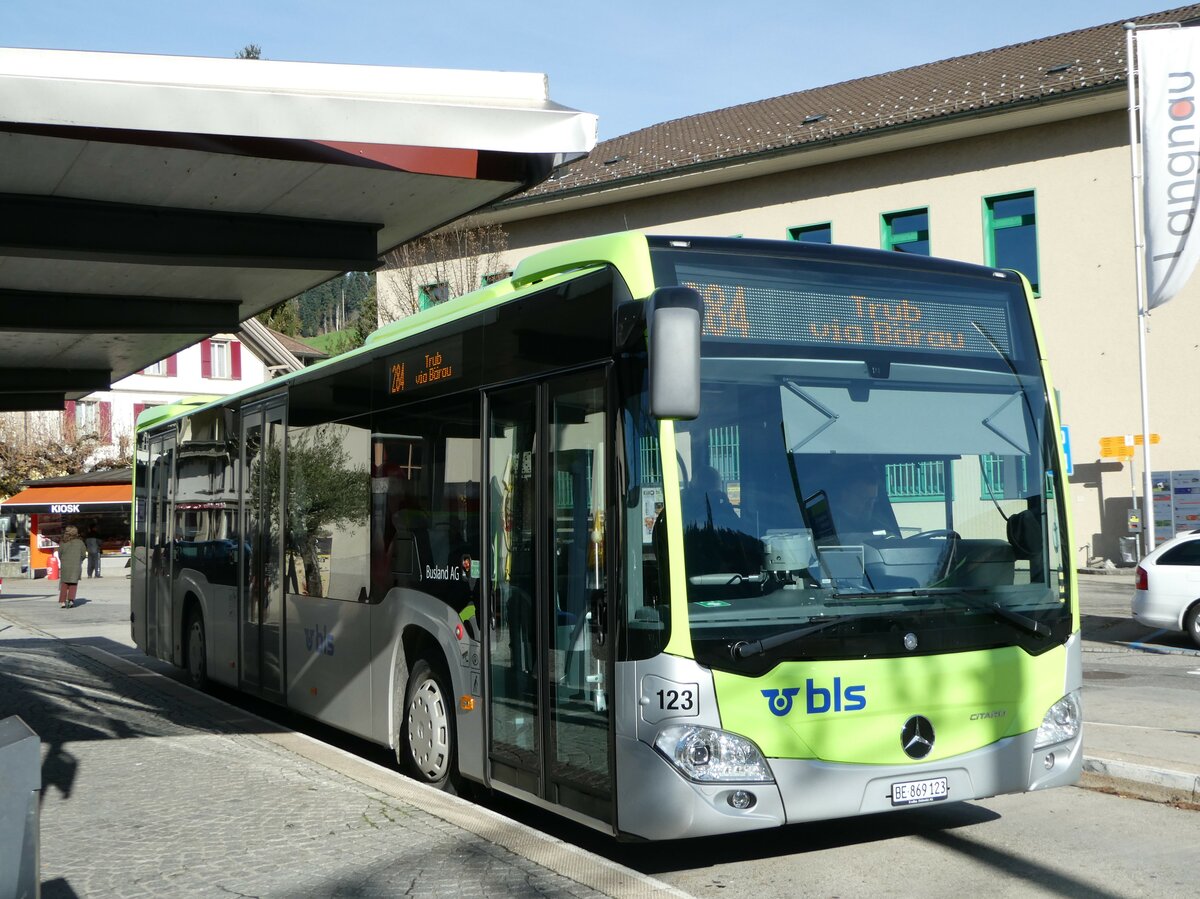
[{"x": 71, "y": 553}]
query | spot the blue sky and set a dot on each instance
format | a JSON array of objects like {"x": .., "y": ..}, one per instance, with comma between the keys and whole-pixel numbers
[{"x": 632, "y": 63}]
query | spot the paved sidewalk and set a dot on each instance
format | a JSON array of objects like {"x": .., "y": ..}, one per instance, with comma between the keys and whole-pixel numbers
[{"x": 153, "y": 789}]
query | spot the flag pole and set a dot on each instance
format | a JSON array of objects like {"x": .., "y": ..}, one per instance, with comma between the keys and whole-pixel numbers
[{"x": 1139, "y": 267}]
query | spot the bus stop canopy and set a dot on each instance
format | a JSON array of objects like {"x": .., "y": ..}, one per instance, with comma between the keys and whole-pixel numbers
[{"x": 147, "y": 202}]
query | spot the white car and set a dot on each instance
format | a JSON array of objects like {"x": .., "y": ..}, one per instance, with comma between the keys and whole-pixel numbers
[{"x": 1168, "y": 586}]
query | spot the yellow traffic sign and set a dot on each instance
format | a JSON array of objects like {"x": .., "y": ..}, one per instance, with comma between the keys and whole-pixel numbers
[{"x": 1121, "y": 446}]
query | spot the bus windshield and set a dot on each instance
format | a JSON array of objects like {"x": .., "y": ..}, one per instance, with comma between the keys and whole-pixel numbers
[{"x": 852, "y": 499}]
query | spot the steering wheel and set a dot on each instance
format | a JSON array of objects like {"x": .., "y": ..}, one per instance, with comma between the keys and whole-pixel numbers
[{"x": 945, "y": 533}]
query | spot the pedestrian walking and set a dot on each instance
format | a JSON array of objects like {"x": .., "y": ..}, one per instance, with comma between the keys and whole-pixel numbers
[
  {"x": 93, "y": 552},
  {"x": 70, "y": 556}
]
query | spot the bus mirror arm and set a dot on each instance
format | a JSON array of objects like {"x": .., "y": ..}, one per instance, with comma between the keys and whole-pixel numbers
[{"x": 673, "y": 317}]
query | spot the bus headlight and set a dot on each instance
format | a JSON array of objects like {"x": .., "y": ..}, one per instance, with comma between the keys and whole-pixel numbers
[
  {"x": 1061, "y": 722},
  {"x": 712, "y": 756}
]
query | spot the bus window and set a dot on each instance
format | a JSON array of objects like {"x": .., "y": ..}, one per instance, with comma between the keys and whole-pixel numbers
[
  {"x": 327, "y": 509},
  {"x": 425, "y": 502}
]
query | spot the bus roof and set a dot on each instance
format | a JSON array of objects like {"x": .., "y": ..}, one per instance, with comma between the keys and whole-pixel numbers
[{"x": 627, "y": 252}]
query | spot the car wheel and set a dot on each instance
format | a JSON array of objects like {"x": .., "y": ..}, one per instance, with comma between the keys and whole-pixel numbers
[
  {"x": 1191, "y": 623},
  {"x": 197, "y": 659},
  {"x": 426, "y": 745}
]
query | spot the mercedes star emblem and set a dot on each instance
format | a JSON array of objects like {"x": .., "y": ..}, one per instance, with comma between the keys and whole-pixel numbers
[{"x": 917, "y": 737}]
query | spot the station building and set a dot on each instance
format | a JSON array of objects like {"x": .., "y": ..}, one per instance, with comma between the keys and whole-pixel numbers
[{"x": 1017, "y": 157}]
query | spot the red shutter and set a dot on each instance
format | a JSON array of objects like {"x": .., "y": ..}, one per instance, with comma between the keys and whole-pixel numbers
[
  {"x": 171, "y": 370},
  {"x": 206, "y": 358},
  {"x": 69, "y": 421},
  {"x": 235, "y": 360},
  {"x": 105, "y": 421},
  {"x": 138, "y": 409}
]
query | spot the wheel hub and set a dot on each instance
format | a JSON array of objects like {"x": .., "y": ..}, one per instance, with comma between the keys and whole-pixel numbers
[{"x": 428, "y": 731}]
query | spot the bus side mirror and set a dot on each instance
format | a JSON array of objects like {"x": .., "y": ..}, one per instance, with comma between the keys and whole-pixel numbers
[{"x": 673, "y": 317}]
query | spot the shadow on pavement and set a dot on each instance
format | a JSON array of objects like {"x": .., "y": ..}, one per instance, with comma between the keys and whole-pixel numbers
[{"x": 69, "y": 697}]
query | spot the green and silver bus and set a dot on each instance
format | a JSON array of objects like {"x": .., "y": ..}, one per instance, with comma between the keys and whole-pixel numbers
[{"x": 673, "y": 536}]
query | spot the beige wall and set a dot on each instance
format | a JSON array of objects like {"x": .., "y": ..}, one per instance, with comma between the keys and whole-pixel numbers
[{"x": 1080, "y": 172}]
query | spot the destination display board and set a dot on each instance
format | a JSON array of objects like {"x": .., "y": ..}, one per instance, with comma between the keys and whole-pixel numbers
[
  {"x": 916, "y": 317},
  {"x": 414, "y": 371}
]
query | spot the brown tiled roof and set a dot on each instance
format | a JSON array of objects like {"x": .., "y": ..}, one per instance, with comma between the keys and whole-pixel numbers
[
  {"x": 298, "y": 348},
  {"x": 1088, "y": 60}
]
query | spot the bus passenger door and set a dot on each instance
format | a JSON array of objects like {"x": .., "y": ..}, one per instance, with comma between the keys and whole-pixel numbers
[
  {"x": 260, "y": 604},
  {"x": 160, "y": 546},
  {"x": 550, "y": 668}
]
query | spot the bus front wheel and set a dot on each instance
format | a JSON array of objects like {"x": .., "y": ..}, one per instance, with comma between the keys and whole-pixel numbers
[{"x": 426, "y": 746}]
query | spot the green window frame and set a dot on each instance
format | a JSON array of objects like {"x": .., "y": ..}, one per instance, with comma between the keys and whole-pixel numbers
[
  {"x": 906, "y": 231},
  {"x": 916, "y": 482},
  {"x": 1004, "y": 477},
  {"x": 1010, "y": 234},
  {"x": 430, "y": 295},
  {"x": 819, "y": 232}
]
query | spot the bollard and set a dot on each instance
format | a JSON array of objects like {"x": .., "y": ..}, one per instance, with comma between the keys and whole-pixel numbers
[{"x": 20, "y": 783}]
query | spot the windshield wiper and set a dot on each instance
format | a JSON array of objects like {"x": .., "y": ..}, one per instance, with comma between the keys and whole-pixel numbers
[
  {"x": 967, "y": 596},
  {"x": 747, "y": 648}
]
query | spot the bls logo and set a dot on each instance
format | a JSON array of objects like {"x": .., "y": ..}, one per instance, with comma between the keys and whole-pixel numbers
[
  {"x": 819, "y": 699},
  {"x": 318, "y": 640}
]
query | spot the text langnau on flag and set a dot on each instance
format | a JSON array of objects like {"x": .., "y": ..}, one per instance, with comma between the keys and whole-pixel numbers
[{"x": 1168, "y": 63}]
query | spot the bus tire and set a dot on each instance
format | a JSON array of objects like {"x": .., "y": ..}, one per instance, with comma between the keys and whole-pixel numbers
[
  {"x": 195, "y": 655},
  {"x": 427, "y": 733}
]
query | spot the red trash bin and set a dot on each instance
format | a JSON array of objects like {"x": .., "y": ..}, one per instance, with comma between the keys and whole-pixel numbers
[{"x": 52, "y": 567}]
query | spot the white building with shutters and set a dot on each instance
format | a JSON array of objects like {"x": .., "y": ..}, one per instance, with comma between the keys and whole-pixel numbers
[{"x": 220, "y": 365}]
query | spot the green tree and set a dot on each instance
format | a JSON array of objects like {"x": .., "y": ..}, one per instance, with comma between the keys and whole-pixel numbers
[
  {"x": 368, "y": 318},
  {"x": 250, "y": 51},
  {"x": 284, "y": 318}
]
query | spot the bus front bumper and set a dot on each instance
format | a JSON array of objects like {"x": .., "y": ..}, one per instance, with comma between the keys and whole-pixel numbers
[
  {"x": 657, "y": 803},
  {"x": 815, "y": 791}
]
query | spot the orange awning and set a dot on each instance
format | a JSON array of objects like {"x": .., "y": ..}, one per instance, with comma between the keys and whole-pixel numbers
[{"x": 71, "y": 500}]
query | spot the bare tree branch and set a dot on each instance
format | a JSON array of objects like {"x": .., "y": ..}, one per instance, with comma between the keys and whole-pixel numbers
[{"x": 458, "y": 256}]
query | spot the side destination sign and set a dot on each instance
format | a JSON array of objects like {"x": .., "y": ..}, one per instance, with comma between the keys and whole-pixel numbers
[
  {"x": 417, "y": 369},
  {"x": 940, "y": 323}
]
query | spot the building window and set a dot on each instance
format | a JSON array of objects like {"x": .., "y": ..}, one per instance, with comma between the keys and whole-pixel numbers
[
  {"x": 433, "y": 294},
  {"x": 909, "y": 482},
  {"x": 1004, "y": 477},
  {"x": 822, "y": 233},
  {"x": 493, "y": 277},
  {"x": 162, "y": 368},
  {"x": 88, "y": 419},
  {"x": 221, "y": 359},
  {"x": 907, "y": 232},
  {"x": 1010, "y": 226}
]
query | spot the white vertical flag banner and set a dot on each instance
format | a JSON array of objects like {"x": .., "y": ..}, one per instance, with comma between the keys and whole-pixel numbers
[{"x": 1168, "y": 66}]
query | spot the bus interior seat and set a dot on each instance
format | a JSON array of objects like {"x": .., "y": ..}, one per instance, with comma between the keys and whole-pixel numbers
[
  {"x": 410, "y": 545},
  {"x": 983, "y": 563}
]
